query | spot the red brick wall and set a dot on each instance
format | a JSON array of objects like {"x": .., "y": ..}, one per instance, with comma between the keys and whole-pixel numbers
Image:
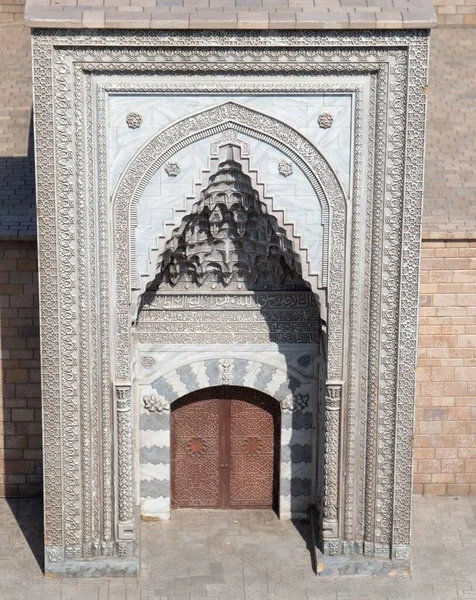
[
  {"x": 445, "y": 428},
  {"x": 20, "y": 402}
]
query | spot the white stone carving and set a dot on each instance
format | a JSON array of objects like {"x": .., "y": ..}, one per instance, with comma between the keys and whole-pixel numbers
[
  {"x": 134, "y": 120},
  {"x": 148, "y": 362},
  {"x": 172, "y": 168},
  {"x": 155, "y": 403},
  {"x": 379, "y": 392},
  {"x": 226, "y": 371},
  {"x": 325, "y": 120},
  {"x": 285, "y": 168}
]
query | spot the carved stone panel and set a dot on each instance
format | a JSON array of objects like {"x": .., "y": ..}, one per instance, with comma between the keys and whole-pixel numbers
[{"x": 88, "y": 214}]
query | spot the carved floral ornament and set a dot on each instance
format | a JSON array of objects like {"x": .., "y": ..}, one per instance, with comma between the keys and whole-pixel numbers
[
  {"x": 172, "y": 168},
  {"x": 285, "y": 168},
  {"x": 154, "y": 403},
  {"x": 54, "y": 555},
  {"x": 325, "y": 120},
  {"x": 296, "y": 403},
  {"x": 134, "y": 120},
  {"x": 226, "y": 370}
]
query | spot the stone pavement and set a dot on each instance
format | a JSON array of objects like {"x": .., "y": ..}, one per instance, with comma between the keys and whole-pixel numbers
[{"x": 246, "y": 555}]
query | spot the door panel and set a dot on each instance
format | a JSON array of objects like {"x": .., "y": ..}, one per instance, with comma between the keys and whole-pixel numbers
[
  {"x": 251, "y": 454},
  {"x": 225, "y": 449},
  {"x": 195, "y": 466}
]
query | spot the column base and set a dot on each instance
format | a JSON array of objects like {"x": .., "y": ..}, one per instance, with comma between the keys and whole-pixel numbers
[
  {"x": 358, "y": 565},
  {"x": 94, "y": 567}
]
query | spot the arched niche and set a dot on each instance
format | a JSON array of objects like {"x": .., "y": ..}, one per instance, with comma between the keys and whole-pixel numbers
[
  {"x": 294, "y": 389},
  {"x": 232, "y": 115}
]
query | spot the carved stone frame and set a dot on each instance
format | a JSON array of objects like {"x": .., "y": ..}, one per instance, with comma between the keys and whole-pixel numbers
[{"x": 79, "y": 321}]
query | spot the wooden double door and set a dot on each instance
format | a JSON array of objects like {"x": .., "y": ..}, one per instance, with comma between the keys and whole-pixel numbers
[{"x": 225, "y": 449}]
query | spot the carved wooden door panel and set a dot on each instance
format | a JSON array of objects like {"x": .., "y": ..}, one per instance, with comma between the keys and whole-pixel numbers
[
  {"x": 225, "y": 449},
  {"x": 252, "y": 452},
  {"x": 196, "y": 450}
]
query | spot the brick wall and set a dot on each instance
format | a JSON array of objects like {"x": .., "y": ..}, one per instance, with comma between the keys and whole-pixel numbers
[
  {"x": 450, "y": 13},
  {"x": 20, "y": 403},
  {"x": 454, "y": 13},
  {"x": 11, "y": 10},
  {"x": 445, "y": 429}
]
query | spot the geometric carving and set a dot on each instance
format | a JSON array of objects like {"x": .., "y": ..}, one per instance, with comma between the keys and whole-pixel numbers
[
  {"x": 303, "y": 361},
  {"x": 134, "y": 120},
  {"x": 325, "y": 120},
  {"x": 172, "y": 168},
  {"x": 147, "y": 362},
  {"x": 229, "y": 240},
  {"x": 300, "y": 401},
  {"x": 285, "y": 168}
]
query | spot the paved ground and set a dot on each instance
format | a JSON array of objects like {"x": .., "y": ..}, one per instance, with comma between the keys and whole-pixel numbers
[{"x": 247, "y": 555}]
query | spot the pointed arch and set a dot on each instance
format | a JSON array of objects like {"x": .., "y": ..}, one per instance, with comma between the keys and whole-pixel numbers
[{"x": 261, "y": 126}]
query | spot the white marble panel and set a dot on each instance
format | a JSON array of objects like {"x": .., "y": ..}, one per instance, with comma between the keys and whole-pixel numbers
[
  {"x": 156, "y": 507},
  {"x": 301, "y": 437},
  {"x": 149, "y": 471},
  {"x": 149, "y": 438},
  {"x": 166, "y": 194},
  {"x": 160, "y": 110}
]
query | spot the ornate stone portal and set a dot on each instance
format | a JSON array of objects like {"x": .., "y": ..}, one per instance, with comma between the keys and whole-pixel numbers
[{"x": 231, "y": 235}]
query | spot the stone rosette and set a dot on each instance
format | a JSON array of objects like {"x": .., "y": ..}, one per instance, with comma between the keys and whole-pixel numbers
[
  {"x": 134, "y": 120},
  {"x": 172, "y": 168},
  {"x": 153, "y": 403},
  {"x": 285, "y": 168},
  {"x": 325, "y": 120}
]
